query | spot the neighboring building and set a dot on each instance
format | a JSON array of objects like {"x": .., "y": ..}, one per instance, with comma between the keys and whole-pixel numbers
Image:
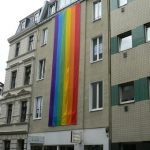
[
  {"x": 15, "y": 104},
  {"x": 1, "y": 89},
  {"x": 130, "y": 48}
]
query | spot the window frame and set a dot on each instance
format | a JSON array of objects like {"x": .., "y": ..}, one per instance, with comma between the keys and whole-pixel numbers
[
  {"x": 9, "y": 114},
  {"x": 97, "y": 96},
  {"x": 25, "y": 74},
  {"x": 99, "y": 15},
  {"x": 35, "y": 108},
  {"x": 123, "y": 36},
  {"x": 92, "y": 49},
  {"x": 147, "y": 30},
  {"x": 100, "y": 145},
  {"x": 13, "y": 87},
  {"x": 66, "y": 3},
  {"x": 17, "y": 49},
  {"x": 22, "y": 116},
  {"x": 31, "y": 46},
  {"x": 121, "y": 90},
  {"x": 41, "y": 74},
  {"x": 44, "y": 36},
  {"x": 121, "y": 5},
  {"x": 5, "y": 142}
]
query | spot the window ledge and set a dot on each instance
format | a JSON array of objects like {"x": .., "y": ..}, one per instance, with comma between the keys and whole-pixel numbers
[
  {"x": 123, "y": 6},
  {"x": 125, "y": 50},
  {"x": 127, "y": 102},
  {"x": 37, "y": 118},
  {"x": 97, "y": 19},
  {"x": 40, "y": 79},
  {"x": 97, "y": 109},
  {"x": 44, "y": 44},
  {"x": 96, "y": 61}
]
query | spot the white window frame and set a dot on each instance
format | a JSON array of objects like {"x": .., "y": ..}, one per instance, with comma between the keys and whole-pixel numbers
[
  {"x": 42, "y": 70},
  {"x": 36, "y": 17},
  {"x": 120, "y": 94},
  {"x": 23, "y": 24},
  {"x": 92, "y": 49},
  {"x": 31, "y": 47},
  {"x": 44, "y": 36},
  {"x": 63, "y": 3},
  {"x": 147, "y": 28},
  {"x": 123, "y": 39},
  {"x": 97, "y": 100},
  {"x": 35, "y": 108},
  {"x": 122, "y": 2},
  {"x": 99, "y": 11}
]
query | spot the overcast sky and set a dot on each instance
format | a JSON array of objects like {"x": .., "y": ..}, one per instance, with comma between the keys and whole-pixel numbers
[{"x": 11, "y": 12}]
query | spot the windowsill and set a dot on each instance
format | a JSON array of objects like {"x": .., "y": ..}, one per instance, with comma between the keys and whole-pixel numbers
[
  {"x": 40, "y": 79},
  {"x": 125, "y": 50},
  {"x": 122, "y": 5},
  {"x": 127, "y": 102},
  {"x": 94, "y": 20},
  {"x": 37, "y": 118},
  {"x": 97, "y": 109},
  {"x": 96, "y": 61},
  {"x": 44, "y": 44}
]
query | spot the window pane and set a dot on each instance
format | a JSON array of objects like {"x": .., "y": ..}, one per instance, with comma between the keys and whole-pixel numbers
[
  {"x": 97, "y": 10},
  {"x": 127, "y": 92},
  {"x": 100, "y": 48},
  {"x": 148, "y": 34},
  {"x": 122, "y": 2},
  {"x": 9, "y": 113},
  {"x": 27, "y": 75},
  {"x": 126, "y": 43},
  {"x": 93, "y": 147},
  {"x": 95, "y": 49},
  {"x": 100, "y": 95},
  {"x": 13, "y": 79},
  {"x": 94, "y": 95},
  {"x": 38, "y": 107},
  {"x": 23, "y": 111}
]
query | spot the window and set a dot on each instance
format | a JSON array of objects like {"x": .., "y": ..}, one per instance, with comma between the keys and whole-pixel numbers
[
  {"x": 127, "y": 92},
  {"x": 148, "y": 33},
  {"x": 9, "y": 113},
  {"x": 17, "y": 49},
  {"x": 31, "y": 43},
  {"x": 27, "y": 75},
  {"x": 13, "y": 79},
  {"x": 7, "y": 145},
  {"x": 20, "y": 144},
  {"x": 36, "y": 17},
  {"x": 96, "y": 96},
  {"x": 23, "y": 111},
  {"x": 93, "y": 147},
  {"x": 41, "y": 69},
  {"x": 45, "y": 36},
  {"x": 125, "y": 41},
  {"x": 23, "y": 24},
  {"x": 38, "y": 108},
  {"x": 97, "y": 9},
  {"x": 122, "y": 2},
  {"x": 97, "y": 49},
  {"x": 52, "y": 9},
  {"x": 64, "y": 3}
]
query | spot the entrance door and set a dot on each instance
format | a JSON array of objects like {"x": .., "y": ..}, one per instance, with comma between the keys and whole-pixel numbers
[{"x": 68, "y": 147}]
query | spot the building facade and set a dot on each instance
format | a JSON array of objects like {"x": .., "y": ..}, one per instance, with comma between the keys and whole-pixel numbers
[
  {"x": 130, "y": 74},
  {"x": 77, "y": 78},
  {"x": 49, "y": 78},
  {"x": 15, "y": 104}
]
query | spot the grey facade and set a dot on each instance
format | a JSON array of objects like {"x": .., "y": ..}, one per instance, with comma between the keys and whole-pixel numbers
[{"x": 130, "y": 120}]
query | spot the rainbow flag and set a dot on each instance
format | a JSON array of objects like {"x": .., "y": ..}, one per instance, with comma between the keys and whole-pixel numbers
[{"x": 65, "y": 68}]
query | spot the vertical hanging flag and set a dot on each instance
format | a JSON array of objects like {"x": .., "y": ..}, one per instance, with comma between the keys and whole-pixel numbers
[{"x": 65, "y": 68}]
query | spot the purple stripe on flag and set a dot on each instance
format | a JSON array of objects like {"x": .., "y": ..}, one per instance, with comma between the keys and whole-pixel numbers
[{"x": 53, "y": 74}]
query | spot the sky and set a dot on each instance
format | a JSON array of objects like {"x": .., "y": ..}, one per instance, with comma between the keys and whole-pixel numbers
[{"x": 11, "y": 12}]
